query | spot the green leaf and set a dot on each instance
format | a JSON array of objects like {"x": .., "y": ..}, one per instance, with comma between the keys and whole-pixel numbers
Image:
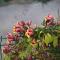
[
  {"x": 29, "y": 49},
  {"x": 55, "y": 42},
  {"x": 25, "y": 53},
  {"x": 48, "y": 39},
  {"x": 22, "y": 55},
  {"x": 7, "y": 57}
]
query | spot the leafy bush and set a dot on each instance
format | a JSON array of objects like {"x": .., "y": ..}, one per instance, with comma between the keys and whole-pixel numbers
[{"x": 28, "y": 41}]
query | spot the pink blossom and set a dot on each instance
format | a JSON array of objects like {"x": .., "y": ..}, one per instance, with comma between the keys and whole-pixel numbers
[
  {"x": 49, "y": 17},
  {"x": 22, "y": 23},
  {"x": 30, "y": 32},
  {"x": 6, "y": 49},
  {"x": 10, "y": 37},
  {"x": 18, "y": 27}
]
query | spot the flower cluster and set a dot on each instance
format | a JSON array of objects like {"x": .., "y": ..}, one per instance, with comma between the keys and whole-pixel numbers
[{"x": 20, "y": 29}]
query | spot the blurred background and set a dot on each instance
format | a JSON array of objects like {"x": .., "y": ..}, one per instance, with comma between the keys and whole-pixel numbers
[{"x": 12, "y": 11}]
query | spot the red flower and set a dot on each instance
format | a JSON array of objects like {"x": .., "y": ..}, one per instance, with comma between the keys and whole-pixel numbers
[
  {"x": 22, "y": 23},
  {"x": 6, "y": 49},
  {"x": 19, "y": 30},
  {"x": 33, "y": 41},
  {"x": 18, "y": 24},
  {"x": 18, "y": 27},
  {"x": 49, "y": 20},
  {"x": 30, "y": 32},
  {"x": 49, "y": 17},
  {"x": 10, "y": 37}
]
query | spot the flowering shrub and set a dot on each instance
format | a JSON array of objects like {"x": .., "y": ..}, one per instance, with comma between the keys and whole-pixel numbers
[{"x": 28, "y": 43}]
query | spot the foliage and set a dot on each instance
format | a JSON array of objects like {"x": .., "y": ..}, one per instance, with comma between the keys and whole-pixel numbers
[
  {"x": 44, "y": 1},
  {"x": 27, "y": 41}
]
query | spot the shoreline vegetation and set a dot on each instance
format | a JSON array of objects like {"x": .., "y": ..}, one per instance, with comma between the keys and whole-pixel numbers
[{"x": 7, "y": 2}]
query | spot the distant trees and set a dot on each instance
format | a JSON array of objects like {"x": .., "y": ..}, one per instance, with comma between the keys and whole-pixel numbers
[
  {"x": 7, "y": 0},
  {"x": 25, "y": 1},
  {"x": 43, "y": 1},
  {"x": 2, "y": 2}
]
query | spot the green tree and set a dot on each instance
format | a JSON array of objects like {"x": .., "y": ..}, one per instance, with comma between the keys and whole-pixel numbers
[{"x": 43, "y": 1}]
